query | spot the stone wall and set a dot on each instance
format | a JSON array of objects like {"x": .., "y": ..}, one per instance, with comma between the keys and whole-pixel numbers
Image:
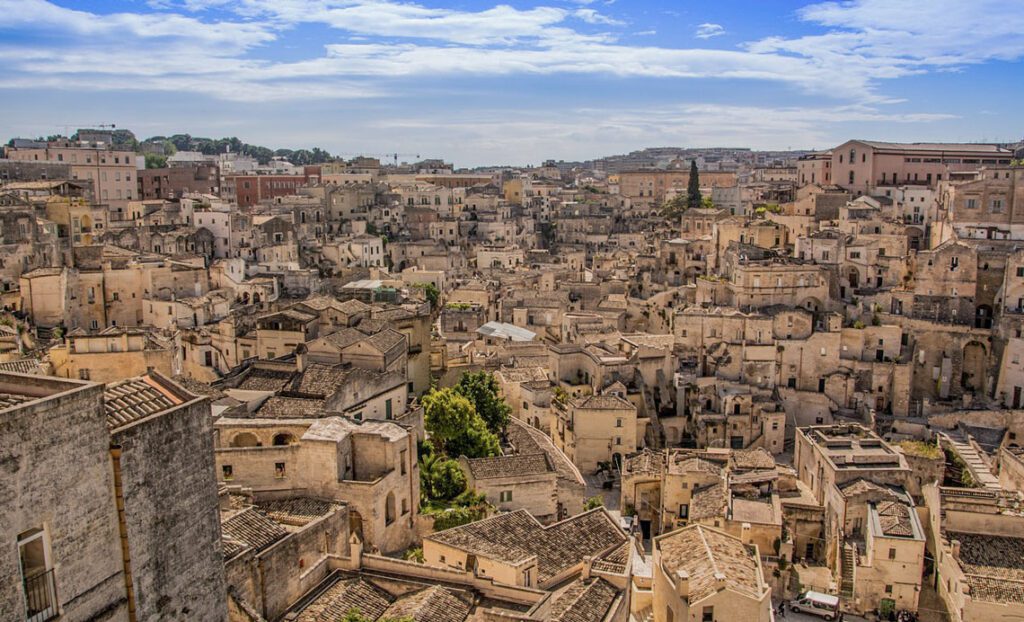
[{"x": 171, "y": 508}]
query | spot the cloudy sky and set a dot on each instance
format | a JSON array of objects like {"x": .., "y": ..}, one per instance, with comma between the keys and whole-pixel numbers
[{"x": 479, "y": 82}]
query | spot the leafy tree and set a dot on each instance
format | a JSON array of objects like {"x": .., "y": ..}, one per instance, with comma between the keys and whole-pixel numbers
[
  {"x": 441, "y": 479},
  {"x": 155, "y": 161},
  {"x": 481, "y": 388},
  {"x": 693, "y": 198},
  {"x": 432, "y": 293},
  {"x": 593, "y": 502},
  {"x": 449, "y": 480},
  {"x": 455, "y": 428},
  {"x": 674, "y": 207},
  {"x": 707, "y": 203}
]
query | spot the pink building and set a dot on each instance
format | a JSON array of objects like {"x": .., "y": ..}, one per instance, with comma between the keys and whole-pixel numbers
[{"x": 861, "y": 165}]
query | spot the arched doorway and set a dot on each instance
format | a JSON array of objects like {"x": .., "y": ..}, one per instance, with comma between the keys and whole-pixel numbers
[
  {"x": 389, "y": 509},
  {"x": 973, "y": 378}
]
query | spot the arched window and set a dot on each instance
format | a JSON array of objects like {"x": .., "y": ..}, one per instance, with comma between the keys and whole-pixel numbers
[
  {"x": 389, "y": 509},
  {"x": 245, "y": 439},
  {"x": 284, "y": 438}
]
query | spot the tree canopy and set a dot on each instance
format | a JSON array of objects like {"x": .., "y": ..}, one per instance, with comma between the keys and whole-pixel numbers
[
  {"x": 454, "y": 426},
  {"x": 481, "y": 388}
]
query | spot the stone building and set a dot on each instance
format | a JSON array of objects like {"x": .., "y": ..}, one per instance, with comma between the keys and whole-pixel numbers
[{"x": 113, "y": 505}]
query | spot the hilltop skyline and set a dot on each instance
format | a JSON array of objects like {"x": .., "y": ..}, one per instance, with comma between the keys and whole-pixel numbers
[{"x": 480, "y": 82}]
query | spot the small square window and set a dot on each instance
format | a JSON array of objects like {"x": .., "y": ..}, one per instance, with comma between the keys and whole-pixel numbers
[
  {"x": 227, "y": 472},
  {"x": 279, "y": 469}
]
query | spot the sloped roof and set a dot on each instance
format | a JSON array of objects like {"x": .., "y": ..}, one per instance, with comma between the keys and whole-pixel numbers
[
  {"x": 706, "y": 555},
  {"x": 130, "y": 400},
  {"x": 584, "y": 601}
]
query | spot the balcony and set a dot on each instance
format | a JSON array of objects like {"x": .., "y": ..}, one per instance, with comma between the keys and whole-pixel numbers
[{"x": 40, "y": 597}]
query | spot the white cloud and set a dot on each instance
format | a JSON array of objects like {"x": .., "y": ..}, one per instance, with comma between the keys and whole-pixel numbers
[
  {"x": 707, "y": 31},
  {"x": 593, "y": 17},
  {"x": 185, "y": 48}
]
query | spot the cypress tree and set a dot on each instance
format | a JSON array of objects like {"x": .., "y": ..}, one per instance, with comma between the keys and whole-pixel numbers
[{"x": 693, "y": 198}]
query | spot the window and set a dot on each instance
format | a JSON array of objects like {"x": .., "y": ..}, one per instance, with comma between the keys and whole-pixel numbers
[
  {"x": 892, "y": 553},
  {"x": 402, "y": 457},
  {"x": 684, "y": 510},
  {"x": 618, "y": 440},
  {"x": 888, "y": 589},
  {"x": 708, "y": 615},
  {"x": 996, "y": 206},
  {"x": 505, "y": 496},
  {"x": 972, "y": 203},
  {"x": 279, "y": 469},
  {"x": 227, "y": 472},
  {"x": 37, "y": 574},
  {"x": 618, "y": 423}
]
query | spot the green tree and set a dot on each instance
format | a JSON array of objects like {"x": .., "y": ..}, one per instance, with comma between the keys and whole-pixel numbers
[
  {"x": 706, "y": 202},
  {"x": 449, "y": 480},
  {"x": 482, "y": 389},
  {"x": 674, "y": 207},
  {"x": 693, "y": 198},
  {"x": 454, "y": 426},
  {"x": 155, "y": 161},
  {"x": 432, "y": 293},
  {"x": 593, "y": 502}
]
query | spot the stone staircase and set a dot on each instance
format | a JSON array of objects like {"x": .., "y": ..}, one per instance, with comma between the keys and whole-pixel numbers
[
  {"x": 976, "y": 464},
  {"x": 849, "y": 565}
]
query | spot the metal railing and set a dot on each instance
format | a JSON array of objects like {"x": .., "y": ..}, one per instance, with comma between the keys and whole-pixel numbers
[{"x": 40, "y": 597}]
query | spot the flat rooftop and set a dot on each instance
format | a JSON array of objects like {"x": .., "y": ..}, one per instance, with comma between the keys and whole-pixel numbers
[{"x": 852, "y": 447}]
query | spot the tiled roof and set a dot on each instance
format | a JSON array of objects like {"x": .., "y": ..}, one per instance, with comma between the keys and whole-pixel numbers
[
  {"x": 509, "y": 466},
  {"x": 692, "y": 465},
  {"x": 584, "y": 601},
  {"x": 603, "y": 402},
  {"x": 278, "y": 407},
  {"x": 993, "y": 565},
  {"x": 22, "y": 366},
  {"x": 616, "y": 561},
  {"x": 344, "y": 596},
  {"x": 433, "y": 604},
  {"x": 862, "y": 486},
  {"x": 516, "y": 537},
  {"x": 894, "y": 517},
  {"x": 709, "y": 502},
  {"x": 13, "y": 399},
  {"x": 758, "y": 458},
  {"x": 703, "y": 553},
  {"x": 130, "y": 400},
  {"x": 344, "y": 337},
  {"x": 318, "y": 379},
  {"x": 528, "y": 439},
  {"x": 646, "y": 462},
  {"x": 250, "y": 528},
  {"x": 386, "y": 339},
  {"x": 298, "y": 509},
  {"x": 260, "y": 378}
]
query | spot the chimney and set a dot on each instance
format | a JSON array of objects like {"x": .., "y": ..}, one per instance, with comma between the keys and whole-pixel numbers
[
  {"x": 955, "y": 545},
  {"x": 300, "y": 357},
  {"x": 745, "y": 533},
  {"x": 683, "y": 583},
  {"x": 588, "y": 563},
  {"x": 719, "y": 581}
]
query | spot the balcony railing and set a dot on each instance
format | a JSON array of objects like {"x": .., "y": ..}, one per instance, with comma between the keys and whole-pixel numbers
[{"x": 41, "y": 597}]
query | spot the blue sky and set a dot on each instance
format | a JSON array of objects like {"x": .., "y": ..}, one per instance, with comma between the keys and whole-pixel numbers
[{"x": 514, "y": 82}]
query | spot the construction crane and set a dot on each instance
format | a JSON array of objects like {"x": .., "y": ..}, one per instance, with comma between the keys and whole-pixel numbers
[
  {"x": 392, "y": 155},
  {"x": 105, "y": 126}
]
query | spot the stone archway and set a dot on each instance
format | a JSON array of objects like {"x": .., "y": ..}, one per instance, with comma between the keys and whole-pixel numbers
[{"x": 973, "y": 376}]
